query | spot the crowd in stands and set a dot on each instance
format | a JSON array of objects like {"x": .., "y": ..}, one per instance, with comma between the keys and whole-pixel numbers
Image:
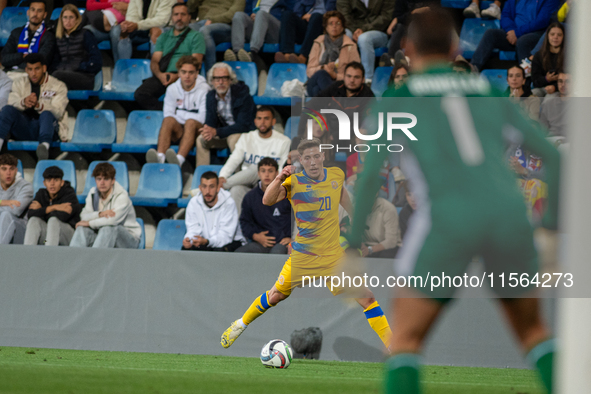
[{"x": 205, "y": 106}]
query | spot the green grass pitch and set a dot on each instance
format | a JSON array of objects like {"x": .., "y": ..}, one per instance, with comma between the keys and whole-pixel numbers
[{"x": 49, "y": 371}]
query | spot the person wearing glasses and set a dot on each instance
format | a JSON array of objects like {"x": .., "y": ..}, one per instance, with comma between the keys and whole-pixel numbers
[
  {"x": 330, "y": 53},
  {"x": 230, "y": 111}
]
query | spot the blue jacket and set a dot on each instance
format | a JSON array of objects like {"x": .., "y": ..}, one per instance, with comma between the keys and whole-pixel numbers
[
  {"x": 243, "y": 111},
  {"x": 276, "y": 10},
  {"x": 256, "y": 217},
  {"x": 302, "y": 7},
  {"x": 544, "y": 11}
]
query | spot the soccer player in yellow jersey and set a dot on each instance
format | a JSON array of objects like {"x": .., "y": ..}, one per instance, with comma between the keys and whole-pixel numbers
[{"x": 315, "y": 195}]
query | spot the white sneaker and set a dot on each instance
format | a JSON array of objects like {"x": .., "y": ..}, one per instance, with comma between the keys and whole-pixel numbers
[
  {"x": 492, "y": 12},
  {"x": 232, "y": 333},
  {"x": 472, "y": 11}
]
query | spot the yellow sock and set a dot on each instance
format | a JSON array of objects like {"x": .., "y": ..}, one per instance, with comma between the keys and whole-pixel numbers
[
  {"x": 378, "y": 322},
  {"x": 257, "y": 308}
]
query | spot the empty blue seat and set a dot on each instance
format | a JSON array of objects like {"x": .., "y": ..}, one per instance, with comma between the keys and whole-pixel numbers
[
  {"x": 455, "y": 3},
  {"x": 271, "y": 48},
  {"x": 121, "y": 176},
  {"x": 141, "y": 132},
  {"x": 142, "y": 244},
  {"x": 19, "y": 168},
  {"x": 291, "y": 126},
  {"x": 497, "y": 78},
  {"x": 508, "y": 55},
  {"x": 28, "y": 145},
  {"x": 381, "y": 76},
  {"x": 85, "y": 94},
  {"x": 247, "y": 72},
  {"x": 183, "y": 202},
  {"x": 55, "y": 14},
  {"x": 380, "y": 51},
  {"x": 472, "y": 31},
  {"x": 278, "y": 74},
  {"x": 67, "y": 167},
  {"x": 128, "y": 75},
  {"x": 159, "y": 185},
  {"x": 93, "y": 132},
  {"x": 169, "y": 235},
  {"x": 11, "y": 18}
]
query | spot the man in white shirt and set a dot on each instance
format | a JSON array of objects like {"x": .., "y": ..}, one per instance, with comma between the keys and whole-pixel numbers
[
  {"x": 250, "y": 149},
  {"x": 212, "y": 219},
  {"x": 184, "y": 113}
]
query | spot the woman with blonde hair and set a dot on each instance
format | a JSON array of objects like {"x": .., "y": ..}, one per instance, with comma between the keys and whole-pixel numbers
[{"x": 77, "y": 58}]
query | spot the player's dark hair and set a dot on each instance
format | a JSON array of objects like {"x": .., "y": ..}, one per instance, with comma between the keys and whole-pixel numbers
[
  {"x": 265, "y": 108},
  {"x": 209, "y": 175},
  {"x": 106, "y": 170},
  {"x": 34, "y": 58},
  {"x": 307, "y": 144},
  {"x": 268, "y": 161},
  {"x": 431, "y": 32},
  {"x": 53, "y": 172},
  {"x": 356, "y": 66},
  {"x": 188, "y": 59},
  {"x": 8, "y": 160}
]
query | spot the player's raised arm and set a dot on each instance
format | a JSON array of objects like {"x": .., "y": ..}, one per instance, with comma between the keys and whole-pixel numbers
[{"x": 276, "y": 191}]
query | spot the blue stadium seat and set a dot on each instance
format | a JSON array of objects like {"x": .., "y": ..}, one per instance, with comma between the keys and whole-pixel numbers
[
  {"x": 85, "y": 94},
  {"x": 455, "y": 3},
  {"x": 472, "y": 31},
  {"x": 141, "y": 132},
  {"x": 497, "y": 78},
  {"x": 67, "y": 167},
  {"x": 223, "y": 47},
  {"x": 271, "y": 48},
  {"x": 381, "y": 76},
  {"x": 121, "y": 176},
  {"x": 340, "y": 157},
  {"x": 183, "y": 202},
  {"x": 142, "y": 244},
  {"x": 380, "y": 51},
  {"x": 159, "y": 185},
  {"x": 247, "y": 72},
  {"x": 28, "y": 145},
  {"x": 291, "y": 126},
  {"x": 279, "y": 73},
  {"x": 12, "y": 17},
  {"x": 19, "y": 168},
  {"x": 128, "y": 75},
  {"x": 93, "y": 132},
  {"x": 169, "y": 235},
  {"x": 55, "y": 14},
  {"x": 508, "y": 55}
]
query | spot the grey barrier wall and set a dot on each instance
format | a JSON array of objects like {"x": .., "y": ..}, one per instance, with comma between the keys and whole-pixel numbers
[{"x": 181, "y": 302}]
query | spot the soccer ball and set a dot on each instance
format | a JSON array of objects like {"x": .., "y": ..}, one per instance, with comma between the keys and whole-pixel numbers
[{"x": 276, "y": 354}]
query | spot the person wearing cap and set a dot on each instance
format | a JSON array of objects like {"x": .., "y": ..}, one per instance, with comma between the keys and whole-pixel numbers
[
  {"x": 54, "y": 212},
  {"x": 15, "y": 196}
]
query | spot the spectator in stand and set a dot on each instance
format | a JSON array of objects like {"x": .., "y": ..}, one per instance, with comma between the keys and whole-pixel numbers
[
  {"x": 35, "y": 37},
  {"x": 102, "y": 15},
  {"x": 352, "y": 85},
  {"x": 330, "y": 54},
  {"x": 522, "y": 24},
  {"x": 54, "y": 212},
  {"x": 5, "y": 87},
  {"x": 212, "y": 219},
  {"x": 143, "y": 23},
  {"x": 548, "y": 61},
  {"x": 368, "y": 23},
  {"x": 492, "y": 12},
  {"x": 406, "y": 211},
  {"x": 170, "y": 47},
  {"x": 553, "y": 113},
  {"x": 184, "y": 113},
  {"x": 560, "y": 16},
  {"x": 519, "y": 90},
  {"x": 214, "y": 22},
  {"x": 108, "y": 218},
  {"x": 382, "y": 234},
  {"x": 265, "y": 141},
  {"x": 403, "y": 11},
  {"x": 230, "y": 111},
  {"x": 259, "y": 23},
  {"x": 77, "y": 59},
  {"x": 301, "y": 26},
  {"x": 36, "y": 109},
  {"x": 399, "y": 75},
  {"x": 269, "y": 227},
  {"x": 15, "y": 196}
]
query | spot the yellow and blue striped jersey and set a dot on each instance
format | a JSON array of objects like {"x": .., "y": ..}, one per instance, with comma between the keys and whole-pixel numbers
[{"x": 316, "y": 208}]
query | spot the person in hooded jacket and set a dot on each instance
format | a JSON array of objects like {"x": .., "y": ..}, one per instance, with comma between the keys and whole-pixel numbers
[
  {"x": 212, "y": 218},
  {"x": 77, "y": 59},
  {"x": 54, "y": 212},
  {"x": 15, "y": 196}
]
